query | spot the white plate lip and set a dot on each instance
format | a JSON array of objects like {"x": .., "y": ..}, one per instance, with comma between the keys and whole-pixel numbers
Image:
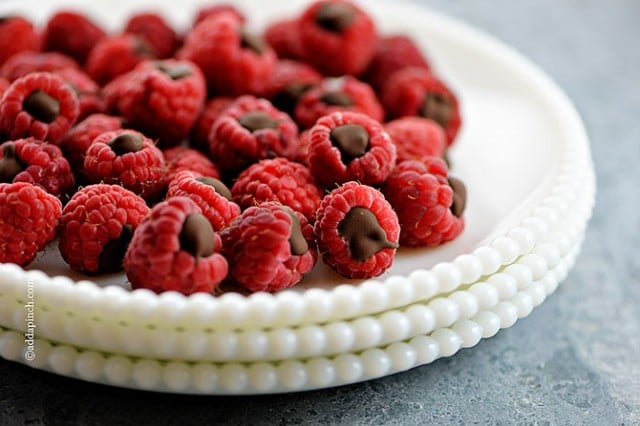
[{"x": 576, "y": 148}]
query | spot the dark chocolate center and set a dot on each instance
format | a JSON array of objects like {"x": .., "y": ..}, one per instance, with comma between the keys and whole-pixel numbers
[
  {"x": 437, "y": 107},
  {"x": 175, "y": 72},
  {"x": 258, "y": 120},
  {"x": 337, "y": 99},
  {"x": 459, "y": 196},
  {"x": 252, "y": 42},
  {"x": 363, "y": 234},
  {"x": 142, "y": 48},
  {"x": 10, "y": 164},
  {"x": 126, "y": 142},
  {"x": 297, "y": 242},
  {"x": 287, "y": 99},
  {"x": 41, "y": 106},
  {"x": 220, "y": 187},
  {"x": 335, "y": 17},
  {"x": 352, "y": 140},
  {"x": 197, "y": 237},
  {"x": 113, "y": 252}
]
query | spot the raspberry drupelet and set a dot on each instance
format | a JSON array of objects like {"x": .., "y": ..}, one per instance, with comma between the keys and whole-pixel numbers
[
  {"x": 41, "y": 105},
  {"x": 416, "y": 137},
  {"x": 357, "y": 231},
  {"x": 175, "y": 249},
  {"x": 346, "y": 146},
  {"x": 429, "y": 203},
  {"x": 127, "y": 158},
  {"x": 202, "y": 127},
  {"x": 290, "y": 80},
  {"x": 210, "y": 194},
  {"x": 97, "y": 225},
  {"x": 17, "y": 35},
  {"x": 181, "y": 158},
  {"x": 72, "y": 33},
  {"x": 25, "y": 63},
  {"x": 269, "y": 247},
  {"x": 250, "y": 130},
  {"x": 152, "y": 27},
  {"x": 28, "y": 221},
  {"x": 114, "y": 56},
  {"x": 337, "y": 37},
  {"x": 38, "y": 163}
]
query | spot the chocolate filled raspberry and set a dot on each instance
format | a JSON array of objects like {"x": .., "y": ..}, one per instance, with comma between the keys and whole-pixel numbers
[
  {"x": 416, "y": 137},
  {"x": 72, "y": 33},
  {"x": 152, "y": 27},
  {"x": 88, "y": 92},
  {"x": 114, "y": 56},
  {"x": 17, "y": 35},
  {"x": 181, "y": 158},
  {"x": 291, "y": 80},
  {"x": 25, "y": 63},
  {"x": 283, "y": 37},
  {"x": 202, "y": 127}
]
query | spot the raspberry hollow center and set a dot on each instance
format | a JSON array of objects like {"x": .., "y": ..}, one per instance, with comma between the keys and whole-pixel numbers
[
  {"x": 352, "y": 140},
  {"x": 126, "y": 142},
  {"x": 10, "y": 164},
  {"x": 459, "y": 196},
  {"x": 258, "y": 120},
  {"x": 197, "y": 237},
  {"x": 436, "y": 107},
  {"x": 220, "y": 187},
  {"x": 335, "y": 17},
  {"x": 363, "y": 234},
  {"x": 41, "y": 106}
]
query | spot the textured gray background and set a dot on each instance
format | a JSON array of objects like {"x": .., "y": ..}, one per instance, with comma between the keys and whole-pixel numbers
[{"x": 574, "y": 360}]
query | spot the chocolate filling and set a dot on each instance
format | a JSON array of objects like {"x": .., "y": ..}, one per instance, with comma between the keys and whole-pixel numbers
[
  {"x": 335, "y": 17},
  {"x": 126, "y": 142},
  {"x": 197, "y": 237},
  {"x": 363, "y": 234},
  {"x": 220, "y": 187},
  {"x": 287, "y": 99},
  {"x": 257, "y": 120},
  {"x": 297, "y": 242},
  {"x": 337, "y": 99},
  {"x": 437, "y": 107},
  {"x": 10, "y": 164},
  {"x": 459, "y": 196},
  {"x": 176, "y": 72},
  {"x": 142, "y": 48},
  {"x": 113, "y": 252},
  {"x": 41, "y": 106},
  {"x": 252, "y": 42},
  {"x": 352, "y": 140}
]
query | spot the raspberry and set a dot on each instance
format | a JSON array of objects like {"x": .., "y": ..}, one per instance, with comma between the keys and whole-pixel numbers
[
  {"x": 233, "y": 61},
  {"x": 4, "y": 85},
  {"x": 77, "y": 140},
  {"x": 269, "y": 247},
  {"x": 155, "y": 30},
  {"x": 73, "y": 34},
  {"x": 337, "y": 37},
  {"x": 416, "y": 91},
  {"x": 28, "y": 221},
  {"x": 161, "y": 99},
  {"x": 180, "y": 158},
  {"x": 282, "y": 36},
  {"x": 127, "y": 158},
  {"x": 208, "y": 116},
  {"x": 27, "y": 62},
  {"x": 289, "y": 81},
  {"x": 88, "y": 92},
  {"x": 211, "y": 195},
  {"x": 416, "y": 137},
  {"x": 393, "y": 53},
  {"x": 348, "y": 146},
  {"x": 304, "y": 143},
  {"x": 175, "y": 249},
  {"x": 41, "y": 105},
  {"x": 249, "y": 130},
  {"x": 429, "y": 205},
  {"x": 357, "y": 231},
  {"x": 281, "y": 180},
  {"x": 96, "y": 227},
  {"x": 17, "y": 35},
  {"x": 38, "y": 163},
  {"x": 114, "y": 56},
  {"x": 337, "y": 94},
  {"x": 217, "y": 9}
]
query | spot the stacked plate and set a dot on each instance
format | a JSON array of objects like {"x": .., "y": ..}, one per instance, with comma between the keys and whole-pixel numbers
[{"x": 524, "y": 156}]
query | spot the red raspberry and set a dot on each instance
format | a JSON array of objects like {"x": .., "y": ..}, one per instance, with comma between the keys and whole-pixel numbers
[
  {"x": 357, "y": 231},
  {"x": 155, "y": 30},
  {"x": 97, "y": 225},
  {"x": 269, "y": 247},
  {"x": 211, "y": 195},
  {"x": 175, "y": 249},
  {"x": 17, "y": 35},
  {"x": 88, "y": 92},
  {"x": 289, "y": 81},
  {"x": 127, "y": 158},
  {"x": 41, "y": 105},
  {"x": 304, "y": 143},
  {"x": 162, "y": 99},
  {"x": 216, "y": 9},
  {"x": 393, "y": 53},
  {"x": 25, "y": 63},
  {"x": 249, "y": 130},
  {"x": 348, "y": 146},
  {"x": 233, "y": 61},
  {"x": 181, "y": 158},
  {"x": 416, "y": 91},
  {"x": 283, "y": 37},
  {"x": 28, "y": 221},
  {"x": 281, "y": 180},
  {"x": 114, "y": 56},
  {"x": 77, "y": 140},
  {"x": 38, "y": 163},
  {"x": 204, "y": 123},
  {"x": 429, "y": 205},
  {"x": 337, "y": 94},
  {"x": 73, "y": 34},
  {"x": 337, "y": 37},
  {"x": 416, "y": 137}
]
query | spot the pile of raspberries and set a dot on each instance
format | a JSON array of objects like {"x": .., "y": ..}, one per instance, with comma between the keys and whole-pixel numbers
[{"x": 219, "y": 156}]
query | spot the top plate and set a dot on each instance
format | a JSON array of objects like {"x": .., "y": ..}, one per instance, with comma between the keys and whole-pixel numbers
[{"x": 522, "y": 150}]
